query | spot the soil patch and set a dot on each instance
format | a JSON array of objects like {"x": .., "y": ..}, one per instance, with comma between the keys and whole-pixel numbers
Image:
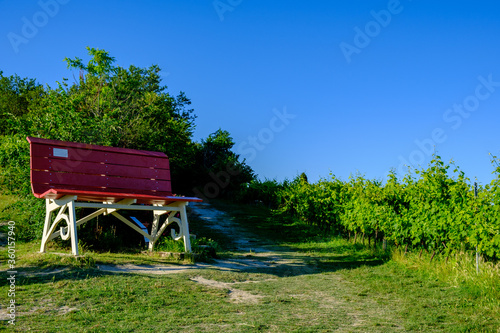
[{"x": 235, "y": 295}]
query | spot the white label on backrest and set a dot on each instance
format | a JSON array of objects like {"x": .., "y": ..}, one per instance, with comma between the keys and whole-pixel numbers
[{"x": 60, "y": 152}]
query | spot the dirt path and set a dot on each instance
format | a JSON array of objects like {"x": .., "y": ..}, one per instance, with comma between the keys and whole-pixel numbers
[
  {"x": 242, "y": 240},
  {"x": 255, "y": 255}
]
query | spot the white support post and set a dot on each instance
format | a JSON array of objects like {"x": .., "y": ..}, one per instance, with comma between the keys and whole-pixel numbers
[
  {"x": 46, "y": 227},
  {"x": 49, "y": 226},
  {"x": 126, "y": 202},
  {"x": 132, "y": 225},
  {"x": 185, "y": 227},
  {"x": 154, "y": 229},
  {"x": 80, "y": 221},
  {"x": 171, "y": 218},
  {"x": 72, "y": 228}
]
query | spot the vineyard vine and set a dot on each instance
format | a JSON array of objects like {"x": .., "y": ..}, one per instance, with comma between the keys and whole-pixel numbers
[{"x": 435, "y": 209}]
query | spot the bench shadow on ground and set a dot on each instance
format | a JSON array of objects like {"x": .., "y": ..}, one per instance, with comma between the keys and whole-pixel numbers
[
  {"x": 52, "y": 276},
  {"x": 287, "y": 262},
  {"x": 258, "y": 252},
  {"x": 278, "y": 262},
  {"x": 80, "y": 268}
]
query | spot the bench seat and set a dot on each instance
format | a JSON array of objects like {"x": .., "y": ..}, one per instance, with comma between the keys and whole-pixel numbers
[{"x": 113, "y": 196}]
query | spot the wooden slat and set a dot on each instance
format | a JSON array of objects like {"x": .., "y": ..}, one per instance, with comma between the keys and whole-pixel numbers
[
  {"x": 76, "y": 155},
  {"x": 61, "y": 165},
  {"x": 38, "y": 189},
  {"x": 78, "y": 145},
  {"x": 61, "y": 178}
]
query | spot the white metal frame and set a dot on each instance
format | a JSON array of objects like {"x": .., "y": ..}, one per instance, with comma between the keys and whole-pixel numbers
[{"x": 67, "y": 204}]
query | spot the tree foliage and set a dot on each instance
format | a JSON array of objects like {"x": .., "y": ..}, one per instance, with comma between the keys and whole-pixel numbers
[
  {"x": 16, "y": 95},
  {"x": 216, "y": 161},
  {"x": 113, "y": 106}
]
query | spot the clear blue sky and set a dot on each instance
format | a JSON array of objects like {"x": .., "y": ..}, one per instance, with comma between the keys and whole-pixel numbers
[{"x": 313, "y": 86}]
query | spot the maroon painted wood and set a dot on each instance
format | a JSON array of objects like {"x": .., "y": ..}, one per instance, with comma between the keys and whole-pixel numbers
[
  {"x": 89, "y": 154},
  {"x": 99, "y": 173},
  {"x": 114, "y": 197},
  {"x": 85, "y": 146},
  {"x": 127, "y": 184},
  {"x": 93, "y": 168}
]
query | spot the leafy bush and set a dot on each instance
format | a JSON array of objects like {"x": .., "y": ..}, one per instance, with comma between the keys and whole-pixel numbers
[
  {"x": 204, "y": 249},
  {"x": 257, "y": 191},
  {"x": 16, "y": 96},
  {"x": 28, "y": 213},
  {"x": 167, "y": 244},
  {"x": 218, "y": 165},
  {"x": 15, "y": 164}
]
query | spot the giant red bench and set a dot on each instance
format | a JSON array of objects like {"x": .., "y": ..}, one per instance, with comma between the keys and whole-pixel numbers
[{"x": 69, "y": 175}]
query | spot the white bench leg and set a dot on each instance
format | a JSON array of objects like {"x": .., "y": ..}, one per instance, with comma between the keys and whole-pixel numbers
[
  {"x": 185, "y": 228},
  {"x": 183, "y": 225},
  {"x": 46, "y": 227},
  {"x": 66, "y": 203},
  {"x": 154, "y": 230},
  {"x": 72, "y": 228}
]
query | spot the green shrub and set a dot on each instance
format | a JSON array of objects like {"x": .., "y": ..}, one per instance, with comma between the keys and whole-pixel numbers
[
  {"x": 15, "y": 164},
  {"x": 257, "y": 191},
  {"x": 29, "y": 214}
]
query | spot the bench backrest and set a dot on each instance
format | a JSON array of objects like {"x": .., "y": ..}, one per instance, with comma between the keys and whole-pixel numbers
[{"x": 77, "y": 166}]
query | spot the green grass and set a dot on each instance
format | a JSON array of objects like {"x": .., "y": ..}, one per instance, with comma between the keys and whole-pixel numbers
[
  {"x": 326, "y": 284},
  {"x": 379, "y": 298}
]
